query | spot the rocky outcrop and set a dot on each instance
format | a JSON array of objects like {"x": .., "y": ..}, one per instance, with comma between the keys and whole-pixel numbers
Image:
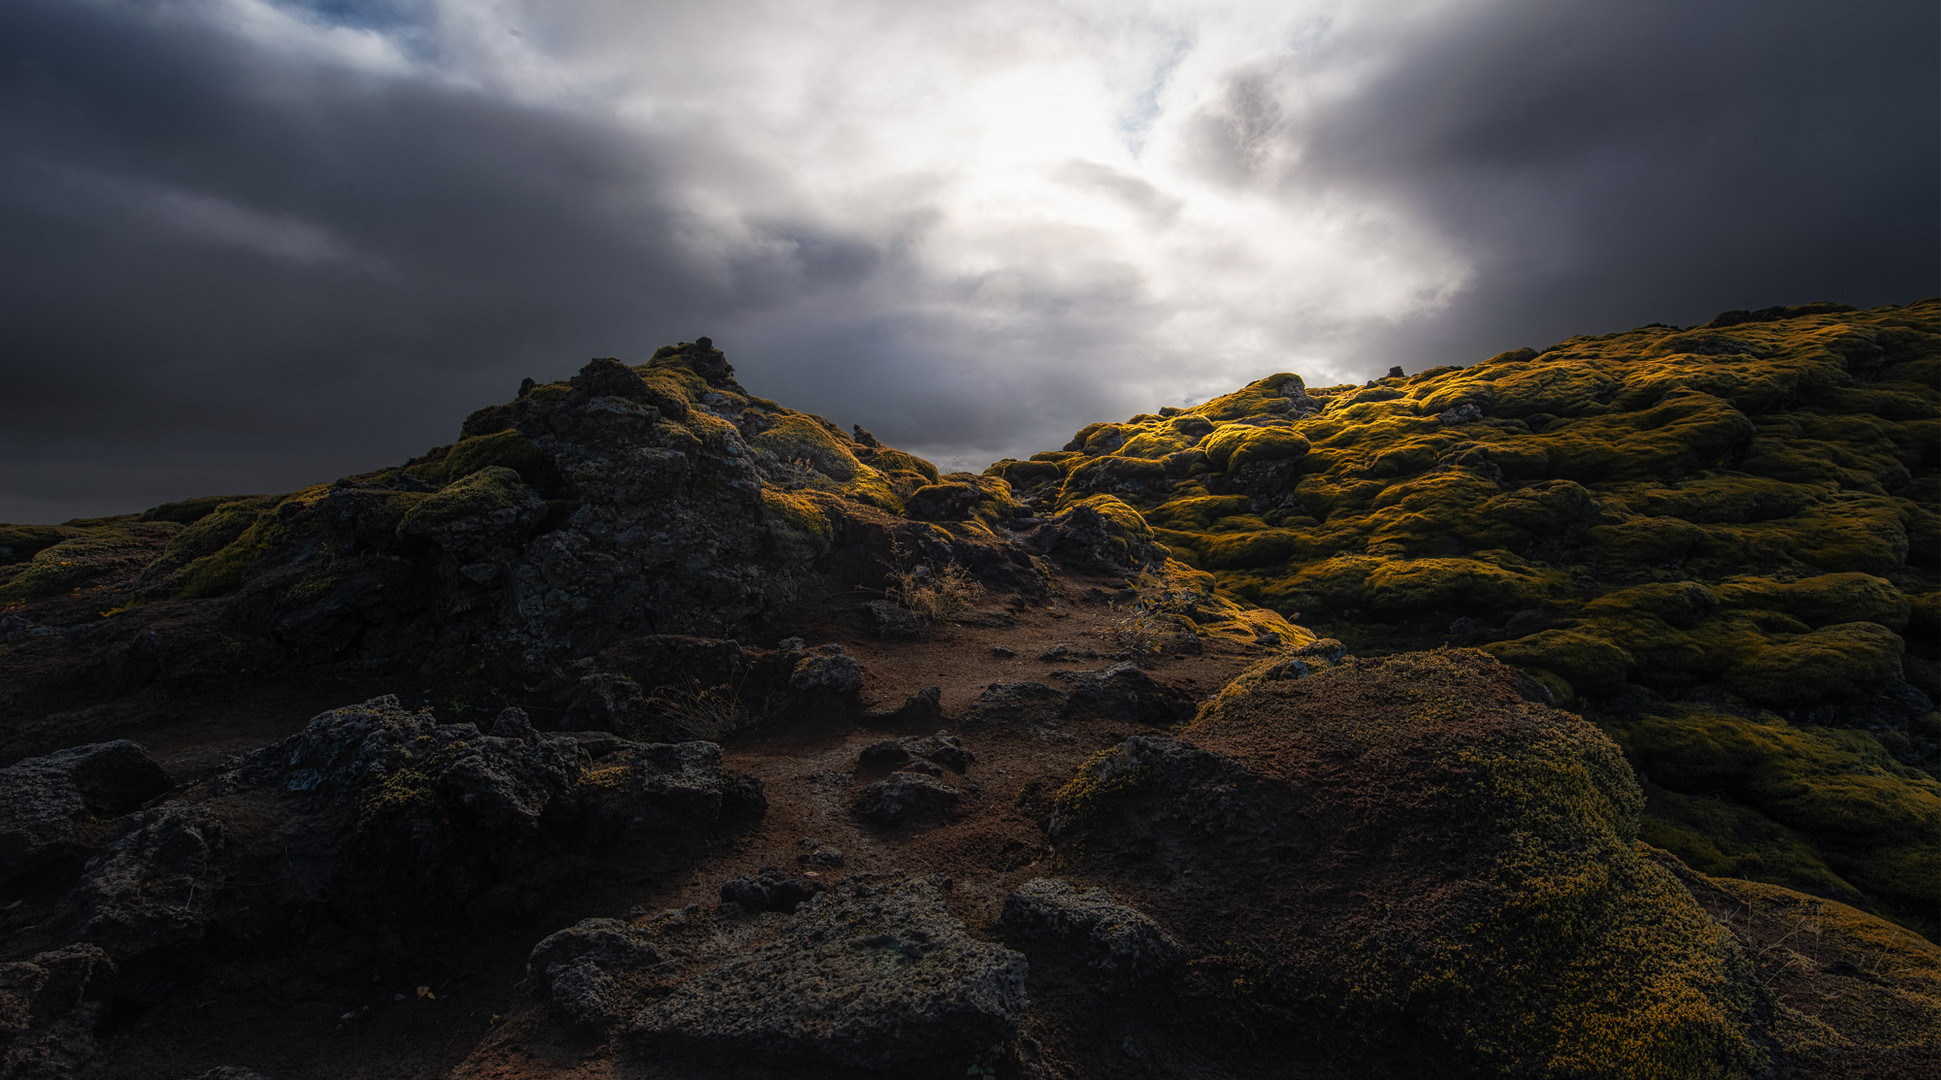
[
  {"x": 1125, "y": 950},
  {"x": 51, "y": 1008},
  {"x": 53, "y": 809},
  {"x": 871, "y": 975}
]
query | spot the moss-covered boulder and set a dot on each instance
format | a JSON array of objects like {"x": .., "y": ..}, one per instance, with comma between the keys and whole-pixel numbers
[{"x": 1438, "y": 869}]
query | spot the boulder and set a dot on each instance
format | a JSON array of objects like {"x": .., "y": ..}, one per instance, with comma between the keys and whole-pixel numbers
[
  {"x": 1444, "y": 869},
  {"x": 906, "y": 799},
  {"x": 1125, "y": 949},
  {"x": 592, "y": 970},
  {"x": 871, "y": 975},
  {"x": 47, "y": 803},
  {"x": 50, "y": 1010}
]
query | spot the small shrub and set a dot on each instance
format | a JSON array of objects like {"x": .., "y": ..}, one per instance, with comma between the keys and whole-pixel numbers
[
  {"x": 933, "y": 594},
  {"x": 694, "y": 711}
]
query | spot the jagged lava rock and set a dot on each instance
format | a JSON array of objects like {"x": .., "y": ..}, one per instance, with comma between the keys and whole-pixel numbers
[
  {"x": 46, "y": 803},
  {"x": 1122, "y": 946},
  {"x": 871, "y": 975}
]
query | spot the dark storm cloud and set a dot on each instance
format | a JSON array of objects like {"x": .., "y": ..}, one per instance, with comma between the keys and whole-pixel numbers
[
  {"x": 1608, "y": 165},
  {"x": 235, "y": 261},
  {"x": 231, "y": 269}
]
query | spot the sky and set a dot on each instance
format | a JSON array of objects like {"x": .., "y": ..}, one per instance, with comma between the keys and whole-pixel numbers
[{"x": 250, "y": 245}]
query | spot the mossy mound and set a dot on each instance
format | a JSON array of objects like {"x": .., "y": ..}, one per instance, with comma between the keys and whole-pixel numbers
[
  {"x": 1747, "y": 512},
  {"x": 97, "y": 557},
  {"x": 1437, "y": 869},
  {"x": 1824, "y": 809},
  {"x": 1852, "y": 995}
]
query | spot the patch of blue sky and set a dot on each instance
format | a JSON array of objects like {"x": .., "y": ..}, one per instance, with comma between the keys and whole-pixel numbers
[
  {"x": 1136, "y": 124},
  {"x": 384, "y": 16}
]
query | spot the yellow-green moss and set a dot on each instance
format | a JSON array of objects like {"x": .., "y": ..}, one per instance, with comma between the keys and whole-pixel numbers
[
  {"x": 85, "y": 555},
  {"x": 1875, "y": 821},
  {"x": 1842, "y": 661},
  {"x": 490, "y": 489},
  {"x": 798, "y": 530},
  {"x": 797, "y": 438}
]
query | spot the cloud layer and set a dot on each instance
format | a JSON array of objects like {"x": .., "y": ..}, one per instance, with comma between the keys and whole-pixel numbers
[{"x": 253, "y": 245}]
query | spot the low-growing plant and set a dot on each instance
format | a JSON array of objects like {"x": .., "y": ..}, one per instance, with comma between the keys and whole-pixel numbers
[
  {"x": 694, "y": 711},
  {"x": 932, "y": 593}
]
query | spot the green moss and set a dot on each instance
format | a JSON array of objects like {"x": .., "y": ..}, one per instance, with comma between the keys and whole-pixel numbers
[
  {"x": 1106, "y": 776},
  {"x": 18, "y": 543},
  {"x": 214, "y": 560},
  {"x": 1822, "y": 600},
  {"x": 896, "y": 461},
  {"x": 1876, "y": 822},
  {"x": 88, "y": 556},
  {"x": 1587, "y": 958},
  {"x": 799, "y": 532},
  {"x": 188, "y": 511},
  {"x": 1716, "y": 834},
  {"x": 797, "y": 438},
  {"x": 503, "y": 449},
  {"x": 489, "y": 490},
  {"x": 1590, "y": 663},
  {"x": 1842, "y": 661}
]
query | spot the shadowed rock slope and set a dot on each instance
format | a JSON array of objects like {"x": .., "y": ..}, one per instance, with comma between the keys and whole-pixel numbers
[{"x": 1721, "y": 542}]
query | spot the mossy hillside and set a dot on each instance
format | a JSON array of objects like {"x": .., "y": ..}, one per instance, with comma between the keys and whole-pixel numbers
[
  {"x": 1868, "y": 818},
  {"x": 1746, "y": 509},
  {"x": 1650, "y": 455},
  {"x": 1852, "y": 995},
  {"x": 97, "y": 555}
]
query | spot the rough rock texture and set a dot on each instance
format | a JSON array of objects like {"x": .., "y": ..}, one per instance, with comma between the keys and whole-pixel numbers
[
  {"x": 51, "y": 1008},
  {"x": 872, "y": 975},
  {"x": 904, "y": 799},
  {"x": 769, "y": 890},
  {"x": 52, "y": 808},
  {"x": 1125, "y": 692},
  {"x": 152, "y": 893},
  {"x": 1123, "y": 947},
  {"x": 1416, "y": 848},
  {"x": 592, "y": 971}
]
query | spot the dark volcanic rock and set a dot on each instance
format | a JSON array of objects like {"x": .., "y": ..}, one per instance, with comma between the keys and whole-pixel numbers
[
  {"x": 868, "y": 976},
  {"x": 942, "y": 502},
  {"x": 770, "y": 890},
  {"x": 1023, "y": 703},
  {"x": 942, "y": 748},
  {"x": 50, "y": 1009},
  {"x": 592, "y": 970},
  {"x": 47, "y": 802},
  {"x": 894, "y": 622},
  {"x": 1125, "y": 692},
  {"x": 153, "y": 891},
  {"x": 1122, "y": 946},
  {"x": 923, "y": 707},
  {"x": 902, "y": 799},
  {"x": 451, "y": 810}
]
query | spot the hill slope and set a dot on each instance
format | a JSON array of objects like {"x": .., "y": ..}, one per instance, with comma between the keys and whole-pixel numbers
[
  {"x": 699, "y": 738},
  {"x": 1722, "y": 543}
]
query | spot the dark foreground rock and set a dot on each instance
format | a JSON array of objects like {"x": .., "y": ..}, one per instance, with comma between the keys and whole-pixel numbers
[
  {"x": 1123, "y": 947},
  {"x": 907, "y": 799},
  {"x": 51, "y": 807},
  {"x": 872, "y": 975},
  {"x": 50, "y": 1010}
]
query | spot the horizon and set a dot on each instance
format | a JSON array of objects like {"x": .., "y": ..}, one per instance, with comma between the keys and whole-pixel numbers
[{"x": 258, "y": 244}]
